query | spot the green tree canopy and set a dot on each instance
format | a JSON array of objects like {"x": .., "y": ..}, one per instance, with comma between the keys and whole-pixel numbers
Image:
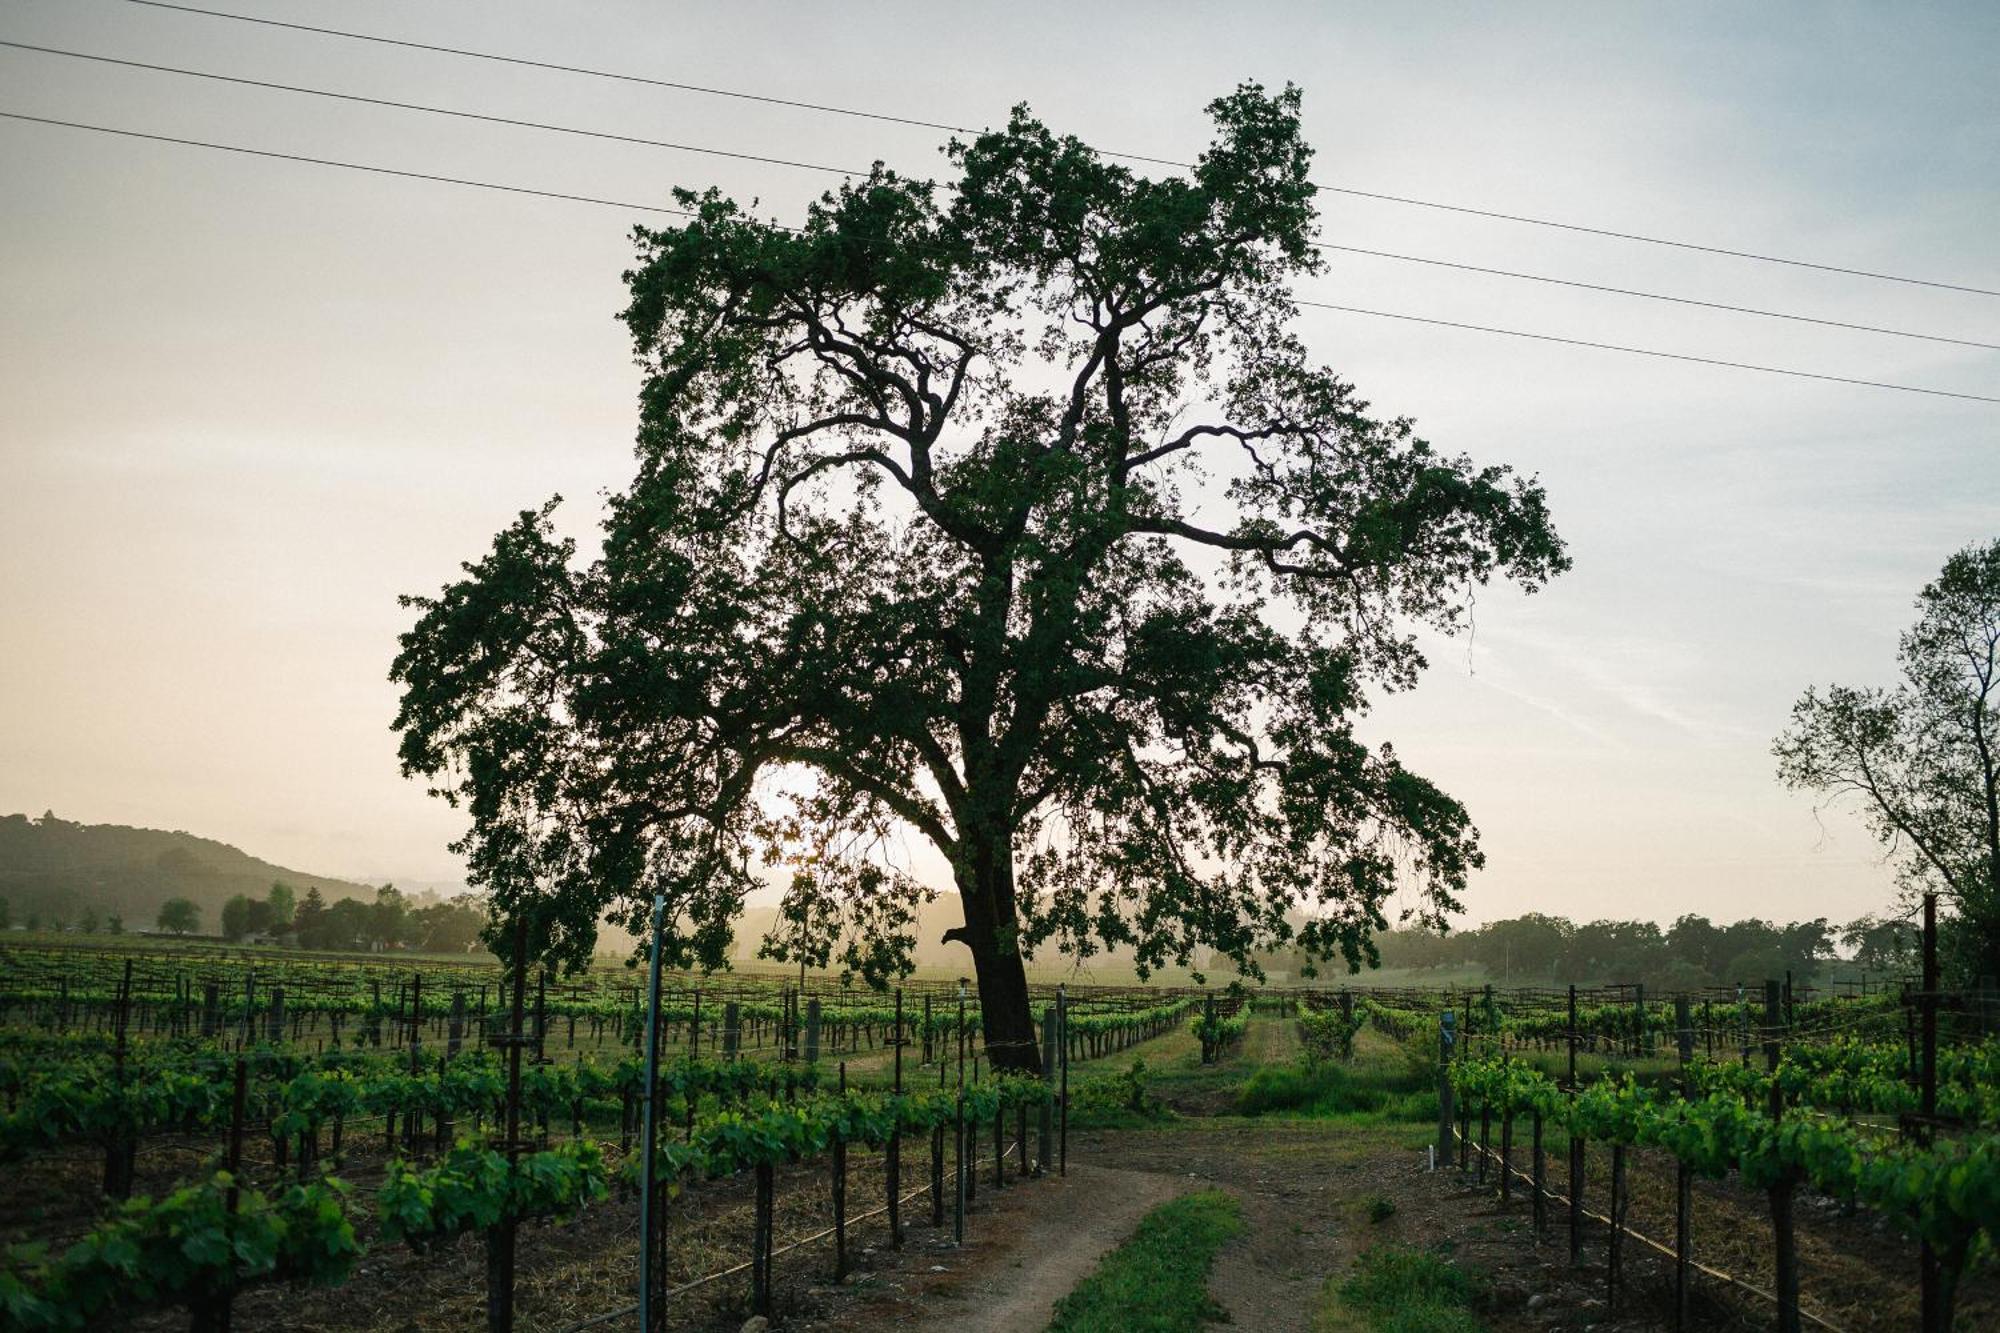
[
  {"x": 1922, "y": 759},
  {"x": 180, "y": 916},
  {"x": 309, "y": 920},
  {"x": 388, "y": 917},
  {"x": 1014, "y": 516}
]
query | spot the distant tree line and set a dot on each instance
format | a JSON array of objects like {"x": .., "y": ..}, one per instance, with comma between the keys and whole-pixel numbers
[
  {"x": 89, "y": 921},
  {"x": 1693, "y": 951},
  {"x": 393, "y": 920}
]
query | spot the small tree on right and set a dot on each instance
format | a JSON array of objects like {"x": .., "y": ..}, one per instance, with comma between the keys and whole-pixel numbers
[{"x": 1923, "y": 757}]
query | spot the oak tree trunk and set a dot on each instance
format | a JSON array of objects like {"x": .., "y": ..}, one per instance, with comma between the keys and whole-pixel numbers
[{"x": 986, "y": 888}]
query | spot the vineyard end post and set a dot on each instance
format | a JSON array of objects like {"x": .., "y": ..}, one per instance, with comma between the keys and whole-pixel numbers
[
  {"x": 1045, "y": 1125},
  {"x": 649, "y": 1134},
  {"x": 1447, "y": 1045},
  {"x": 1062, "y": 1027}
]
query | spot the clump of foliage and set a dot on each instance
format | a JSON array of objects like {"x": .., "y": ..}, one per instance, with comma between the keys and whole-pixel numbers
[{"x": 1121, "y": 1099}]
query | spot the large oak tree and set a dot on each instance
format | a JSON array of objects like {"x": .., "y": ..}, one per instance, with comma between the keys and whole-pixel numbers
[{"x": 1009, "y": 513}]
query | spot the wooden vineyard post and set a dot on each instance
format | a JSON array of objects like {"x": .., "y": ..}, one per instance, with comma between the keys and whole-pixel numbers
[
  {"x": 275, "y": 1025},
  {"x": 219, "y": 1313},
  {"x": 413, "y": 1116},
  {"x": 1506, "y": 1155},
  {"x": 1541, "y": 1182},
  {"x": 1930, "y": 1273},
  {"x": 649, "y": 1137},
  {"x": 500, "y": 1238},
  {"x": 732, "y": 1029},
  {"x": 1576, "y": 1147},
  {"x": 969, "y": 1140},
  {"x": 937, "y": 1164},
  {"x": 1683, "y": 1176},
  {"x": 1447, "y": 1046},
  {"x": 1615, "y": 1250},
  {"x": 211, "y": 1010},
  {"x": 1045, "y": 1140},
  {"x": 541, "y": 1020},
  {"x": 1783, "y": 1234},
  {"x": 1683, "y": 1241},
  {"x": 812, "y": 1030},
  {"x": 455, "y": 1034},
  {"x": 927, "y": 1030},
  {"x": 958, "y": 1124},
  {"x": 1021, "y": 1137},
  {"x": 1062, "y": 1026},
  {"x": 893, "y": 1161},
  {"x": 999, "y": 1147},
  {"x": 1465, "y": 1107},
  {"x": 958, "y": 1170},
  {"x": 786, "y": 1033},
  {"x": 760, "y": 1245},
  {"x": 1485, "y": 1136},
  {"x": 839, "y": 1183}
]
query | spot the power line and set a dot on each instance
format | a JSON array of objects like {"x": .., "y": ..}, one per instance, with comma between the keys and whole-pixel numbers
[
  {"x": 1649, "y": 351},
  {"x": 888, "y": 118},
  {"x": 677, "y": 212},
  {"x": 347, "y": 166},
  {"x": 578, "y": 131},
  {"x": 427, "y": 108},
  {"x": 524, "y": 62},
  {"x": 1661, "y": 296}
]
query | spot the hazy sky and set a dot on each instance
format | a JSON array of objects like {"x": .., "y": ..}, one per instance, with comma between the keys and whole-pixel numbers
[{"x": 244, "y": 403}]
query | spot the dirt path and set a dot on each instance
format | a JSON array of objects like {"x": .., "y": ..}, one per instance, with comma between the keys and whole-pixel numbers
[
  {"x": 1101, "y": 1206},
  {"x": 1024, "y": 1251}
]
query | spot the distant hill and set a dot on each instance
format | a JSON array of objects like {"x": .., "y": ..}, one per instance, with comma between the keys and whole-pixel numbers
[{"x": 54, "y": 868}]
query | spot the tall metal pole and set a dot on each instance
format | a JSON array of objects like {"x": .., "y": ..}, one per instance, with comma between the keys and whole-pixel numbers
[{"x": 649, "y": 1136}]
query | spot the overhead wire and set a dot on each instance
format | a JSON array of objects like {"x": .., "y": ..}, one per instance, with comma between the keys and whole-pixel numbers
[
  {"x": 469, "y": 182},
  {"x": 710, "y": 151},
  {"x": 1651, "y": 351},
  {"x": 921, "y": 123}
]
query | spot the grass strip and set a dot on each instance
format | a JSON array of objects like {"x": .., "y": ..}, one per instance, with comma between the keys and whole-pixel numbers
[
  {"x": 1156, "y": 1282},
  {"x": 1398, "y": 1289}
]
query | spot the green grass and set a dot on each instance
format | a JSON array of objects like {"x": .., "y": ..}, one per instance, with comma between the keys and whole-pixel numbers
[
  {"x": 1156, "y": 1282},
  {"x": 1330, "y": 1090},
  {"x": 1397, "y": 1289}
]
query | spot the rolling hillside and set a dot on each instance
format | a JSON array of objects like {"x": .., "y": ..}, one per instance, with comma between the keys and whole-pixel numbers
[{"x": 55, "y": 869}]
